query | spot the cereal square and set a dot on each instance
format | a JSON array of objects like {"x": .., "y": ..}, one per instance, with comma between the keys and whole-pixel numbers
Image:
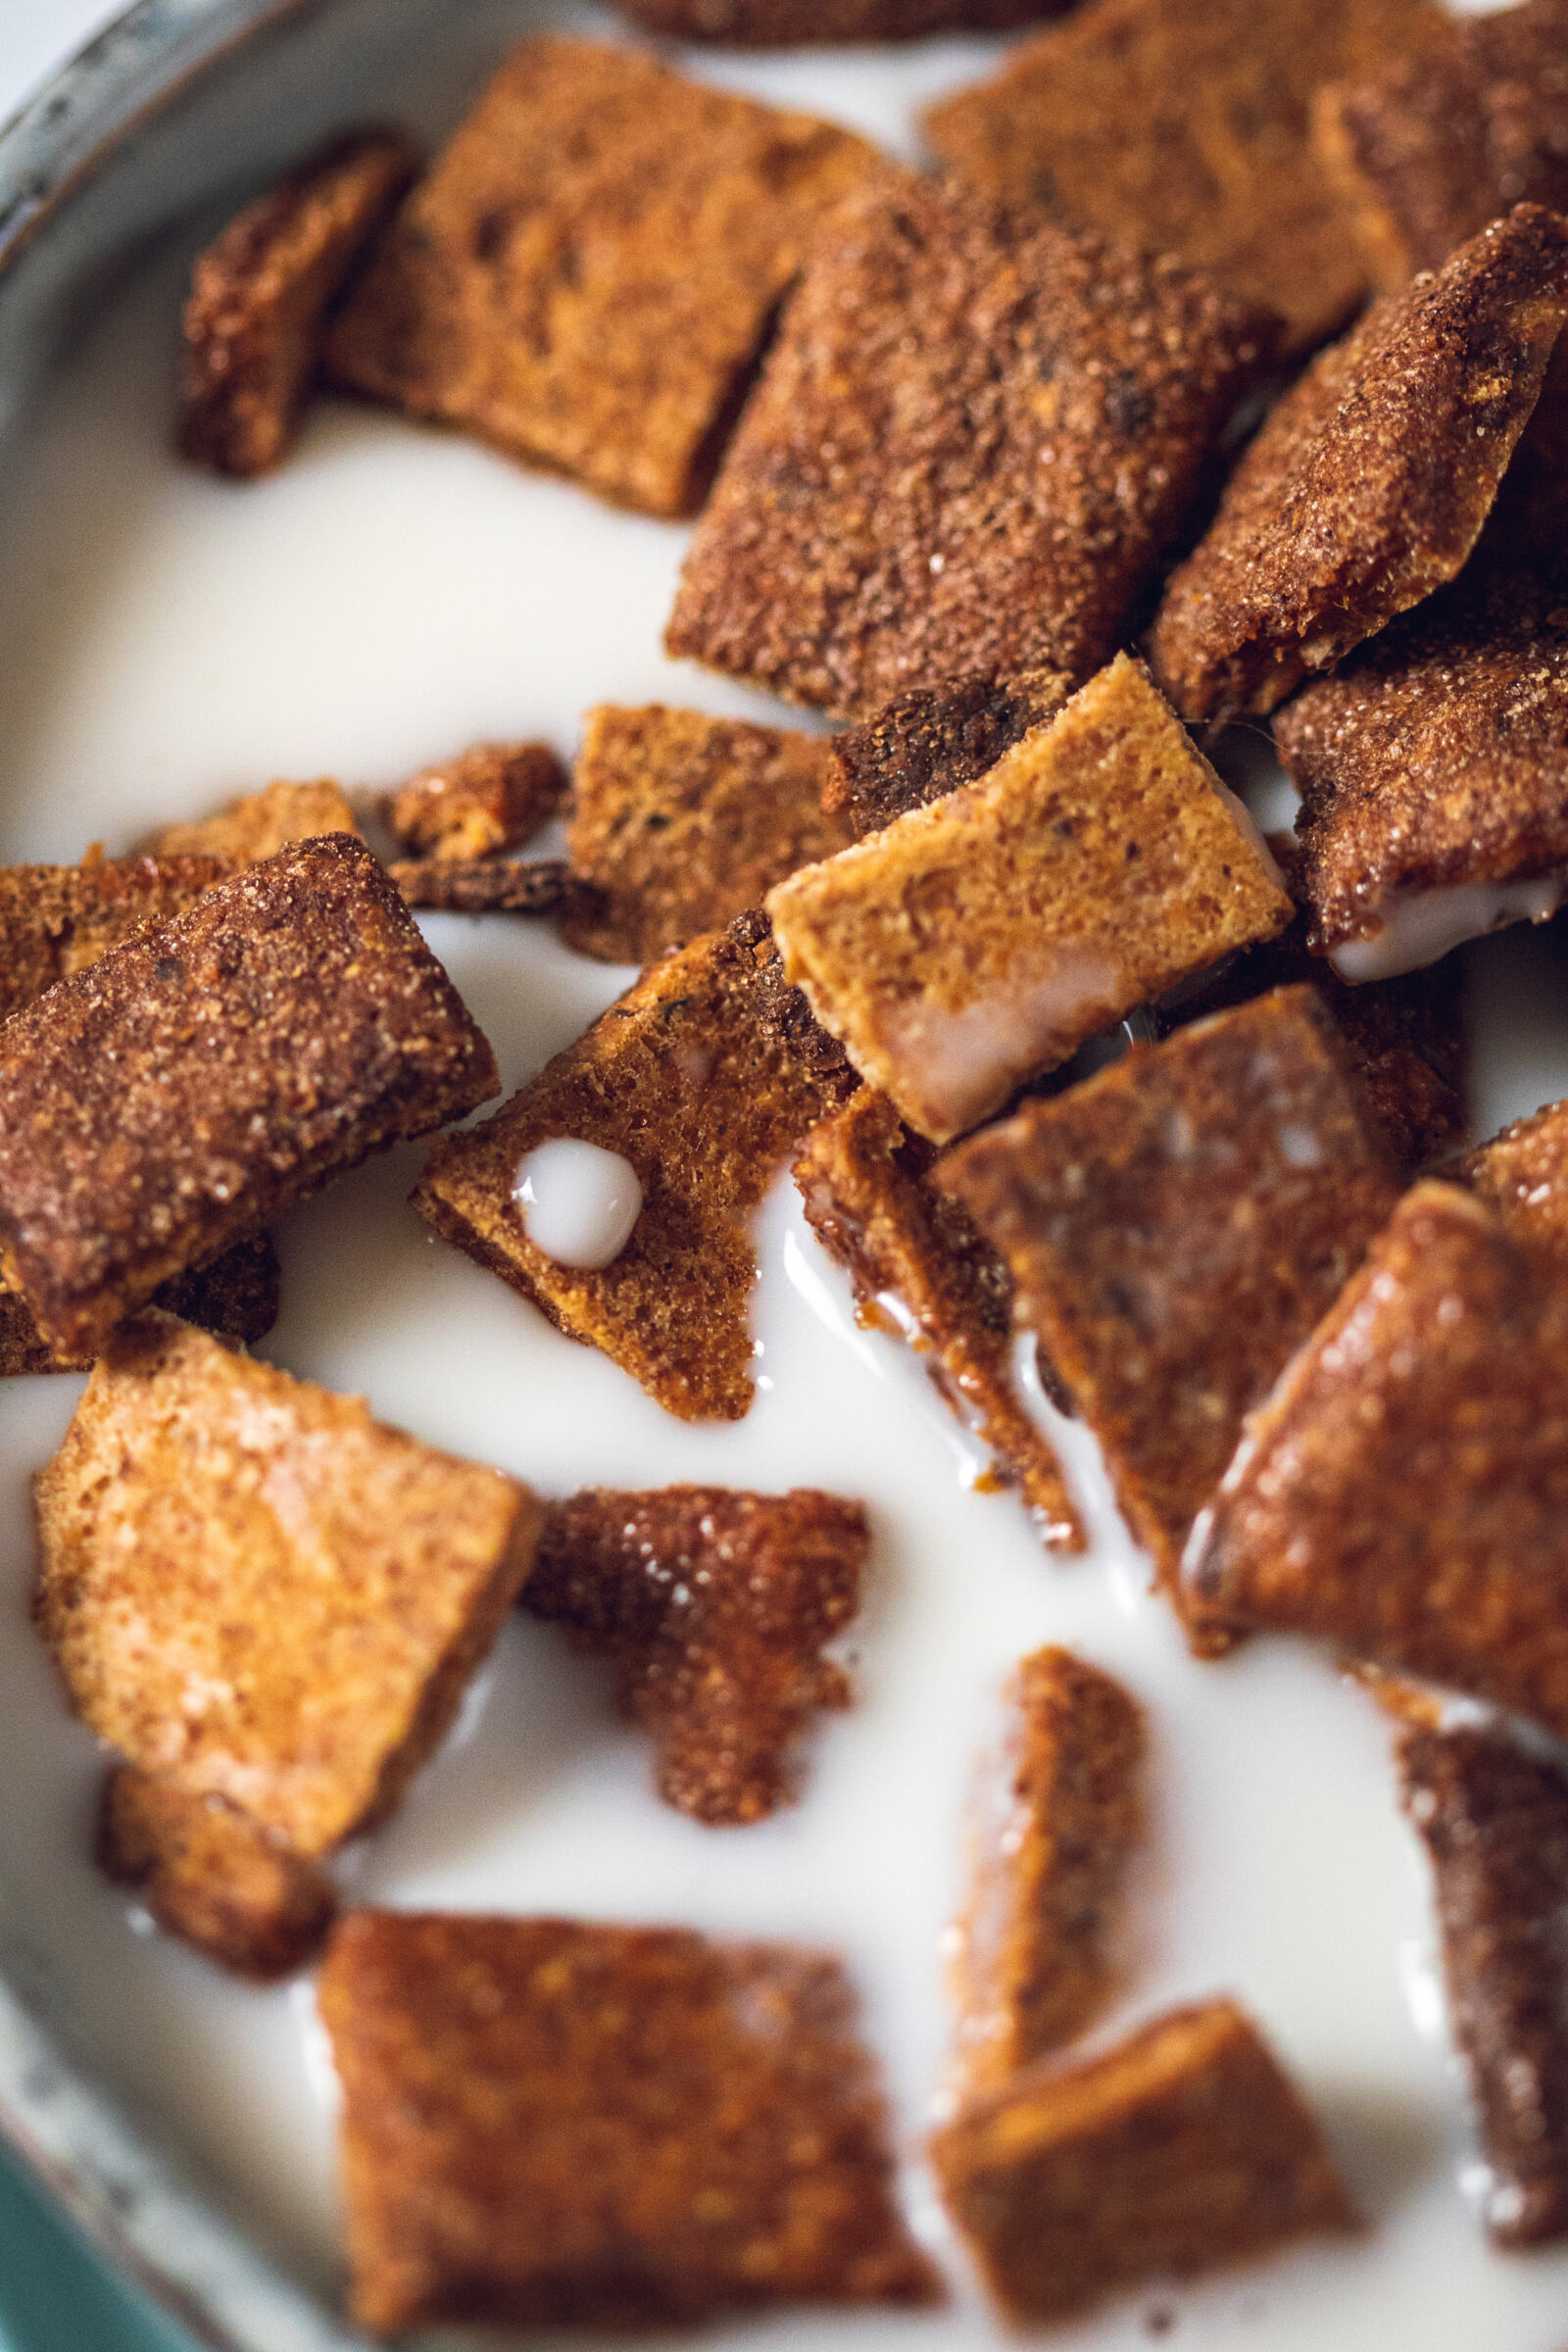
[
  {"x": 784, "y": 24},
  {"x": 1523, "y": 1174},
  {"x": 236, "y": 1296},
  {"x": 56, "y": 920},
  {"x": 925, "y": 744},
  {"x": 259, "y": 824},
  {"x": 491, "y": 797},
  {"x": 495, "y": 885}
]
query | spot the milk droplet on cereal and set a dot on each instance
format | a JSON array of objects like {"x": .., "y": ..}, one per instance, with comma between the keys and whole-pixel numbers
[{"x": 578, "y": 1201}]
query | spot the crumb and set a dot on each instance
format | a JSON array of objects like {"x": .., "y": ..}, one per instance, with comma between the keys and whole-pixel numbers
[
  {"x": 716, "y": 2096},
  {"x": 494, "y": 795},
  {"x": 923, "y": 745},
  {"x": 715, "y": 1607},
  {"x": 258, "y": 825},
  {"x": 498, "y": 885}
]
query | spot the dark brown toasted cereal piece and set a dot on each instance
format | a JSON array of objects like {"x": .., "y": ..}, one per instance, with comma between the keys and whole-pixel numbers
[
  {"x": 212, "y": 1876},
  {"x": 784, "y": 24},
  {"x": 254, "y": 1592},
  {"x": 713, "y": 2097},
  {"x": 1369, "y": 481},
  {"x": 715, "y": 1607},
  {"x": 1431, "y": 144},
  {"x": 1059, "y": 1817},
  {"x": 1523, "y": 1174},
  {"x": 499, "y": 885},
  {"x": 700, "y": 1079},
  {"x": 1184, "y": 2148},
  {"x": 188, "y": 1086},
  {"x": 973, "y": 442},
  {"x": 56, "y": 920},
  {"x": 980, "y": 940},
  {"x": 680, "y": 822},
  {"x": 925, "y": 744},
  {"x": 236, "y": 1296},
  {"x": 921, "y": 1268},
  {"x": 1493, "y": 1815},
  {"x": 258, "y": 825},
  {"x": 1401, "y": 1493},
  {"x": 587, "y": 272},
  {"x": 261, "y": 291},
  {"x": 492, "y": 797},
  {"x": 1176, "y": 1226},
  {"x": 1186, "y": 131}
]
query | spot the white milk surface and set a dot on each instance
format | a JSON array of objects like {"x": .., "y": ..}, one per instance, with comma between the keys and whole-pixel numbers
[{"x": 166, "y": 640}]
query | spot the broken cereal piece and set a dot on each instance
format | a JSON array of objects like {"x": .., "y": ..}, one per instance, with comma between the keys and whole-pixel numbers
[
  {"x": 715, "y": 1607},
  {"x": 699, "y": 1079},
  {"x": 919, "y": 1264},
  {"x": 974, "y": 443},
  {"x": 980, "y": 940},
  {"x": 587, "y": 272},
  {"x": 1185, "y": 2148},
  {"x": 1367, "y": 486},
  {"x": 1523, "y": 1174},
  {"x": 236, "y": 1297},
  {"x": 1493, "y": 1815},
  {"x": 680, "y": 822},
  {"x": 189, "y": 1086},
  {"x": 1061, "y": 1812},
  {"x": 925, "y": 744},
  {"x": 482, "y": 885},
  {"x": 56, "y": 920},
  {"x": 260, "y": 824},
  {"x": 261, "y": 291},
  {"x": 716, "y": 2096},
  {"x": 1401, "y": 1493},
  {"x": 254, "y": 1592},
  {"x": 1428, "y": 146},
  {"x": 1176, "y": 1226},
  {"x": 781, "y": 24},
  {"x": 492, "y": 797},
  {"x": 212, "y": 1876},
  {"x": 1187, "y": 134}
]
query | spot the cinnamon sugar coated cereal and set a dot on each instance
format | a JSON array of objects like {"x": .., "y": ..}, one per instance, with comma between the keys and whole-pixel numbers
[
  {"x": 925, "y": 744},
  {"x": 56, "y": 920},
  {"x": 259, "y": 824},
  {"x": 714, "y": 2095},
  {"x": 779, "y": 23},
  {"x": 715, "y": 1607},
  {"x": 254, "y": 1591},
  {"x": 496, "y": 885},
  {"x": 1523, "y": 1174},
  {"x": 587, "y": 272},
  {"x": 973, "y": 442},
  {"x": 235, "y": 1295},
  {"x": 979, "y": 940},
  {"x": 491, "y": 797}
]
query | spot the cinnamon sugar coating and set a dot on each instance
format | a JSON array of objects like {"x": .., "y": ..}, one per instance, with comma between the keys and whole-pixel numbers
[
  {"x": 1184, "y": 132},
  {"x": 552, "y": 2123},
  {"x": 1183, "y": 2149},
  {"x": 979, "y": 940},
  {"x": 680, "y": 822},
  {"x": 236, "y": 1297},
  {"x": 259, "y": 824},
  {"x": 188, "y": 1086},
  {"x": 1367, "y": 486},
  {"x": 783, "y": 24},
  {"x": 494, "y": 795},
  {"x": 1176, "y": 1227},
  {"x": 927, "y": 743},
  {"x": 254, "y": 1591},
  {"x": 704, "y": 1076},
  {"x": 713, "y": 1607},
  {"x": 587, "y": 272},
  {"x": 973, "y": 442},
  {"x": 498, "y": 885},
  {"x": 212, "y": 1876},
  {"x": 56, "y": 920},
  {"x": 259, "y": 294},
  {"x": 1059, "y": 1813},
  {"x": 1523, "y": 1174},
  {"x": 919, "y": 1263},
  {"x": 1402, "y": 1490},
  {"x": 1430, "y": 145},
  {"x": 1494, "y": 1817}
]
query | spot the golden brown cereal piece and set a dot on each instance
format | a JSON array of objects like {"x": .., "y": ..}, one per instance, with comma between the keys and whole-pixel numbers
[
  {"x": 1493, "y": 1815},
  {"x": 1368, "y": 484},
  {"x": 974, "y": 443},
  {"x": 1176, "y": 1227},
  {"x": 1184, "y": 132},
  {"x": 1061, "y": 1813},
  {"x": 236, "y": 1296},
  {"x": 1523, "y": 1174},
  {"x": 212, "y": 1876},
  {"x": 921, "y": 1268},
  {"x": 781, "y": 24},
  {"x": 261, "y": 291},
  {"x": 254, "y": 1592},
  {"x": 715, "y": 1607},
  {"x": 56, "y": 920},
  {"x": 680, "y": 822},
  {"x": 925, "y": 744},
  {"x": 258, "y": 825},
  {"x": 715, "y": 2096},
  {"x": 191, "y": 1085},
  {"x": 1401, "y": 1493},
  {"x": 980, "y": 940},
  {"x": 499, "y": 885},
  {"x": 1430, "y": 145},
  {"x": 587, "y": 272},
  {"x": 1185, "y": 2148},
  {"x": 492, "y": 797},
  {"x": 700, "y": 1079}
]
